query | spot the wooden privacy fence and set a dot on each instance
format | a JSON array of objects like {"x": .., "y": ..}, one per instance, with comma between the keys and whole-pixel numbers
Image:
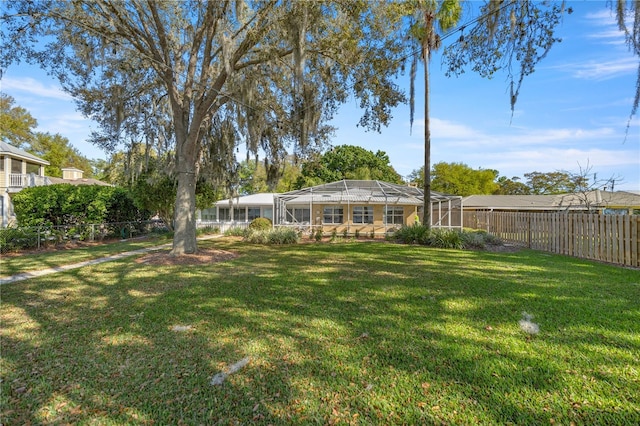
[{"x": 607, "y": 238}]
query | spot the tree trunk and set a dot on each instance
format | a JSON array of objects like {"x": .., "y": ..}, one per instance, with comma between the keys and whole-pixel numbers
[
  {"x": 426, "y": 213},
  {"x": 184, "y": 236}
]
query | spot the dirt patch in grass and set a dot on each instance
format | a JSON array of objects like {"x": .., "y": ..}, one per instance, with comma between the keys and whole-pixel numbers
[{"x": 204, "y": 256}]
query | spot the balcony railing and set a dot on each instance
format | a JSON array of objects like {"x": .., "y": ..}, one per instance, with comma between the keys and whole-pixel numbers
[{"x": 27, "y": 180}]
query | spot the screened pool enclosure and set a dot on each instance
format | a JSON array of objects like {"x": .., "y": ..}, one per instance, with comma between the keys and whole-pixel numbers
[{"x": 367, "y": 207}]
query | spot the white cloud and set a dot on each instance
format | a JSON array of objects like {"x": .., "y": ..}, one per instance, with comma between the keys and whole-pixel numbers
[
  {"x": 600, "y": 70},
  {"x": 33, "y": 87}
]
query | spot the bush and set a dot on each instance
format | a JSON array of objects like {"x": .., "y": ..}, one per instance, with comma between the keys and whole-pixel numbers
[
  {"x": 412, "y": 234},
  {"x": 207, "y": 230},
  {"x": 283, "y": 236},
  {"x": 71, "y": 205},
  {"x": 14, "y": 239},
  {"x": 236, "y": 231},
  {"x": 260, "y": 224},
  {"x": 318, "y": 235},
  {"x": 479, "y": 239},
  {"x": 272, "y": 236},
  {"x": 445, "y": 238}
]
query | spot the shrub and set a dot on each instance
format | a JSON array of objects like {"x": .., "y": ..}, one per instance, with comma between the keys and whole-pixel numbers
[
  {"x": 357, "y": 233},
  {"x": 65, "y": 204},
  {"x": 283, "y": 236},
  {"x": 473, "y": 240},
  {"x": 236, "y": 231},
  {"x": 208, "y": 230},
  {"x": 261, "y": 223},
  {"x": 445, "y": 238},
  {"x": 412, "y": 234},
  {"x": 479, "y": 239},
  {"x": 14, "y": 239},
  {"x": 272, "y": 236},
  {"x": 257, "y": 236},
  {"x": 318, "y": 235}
]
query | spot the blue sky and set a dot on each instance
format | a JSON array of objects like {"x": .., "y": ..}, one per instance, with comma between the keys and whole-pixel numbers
[{"x": 571, "y": 115}]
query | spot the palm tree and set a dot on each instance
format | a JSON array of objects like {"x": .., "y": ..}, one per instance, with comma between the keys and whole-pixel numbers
[{"x": 444, "y": 14}]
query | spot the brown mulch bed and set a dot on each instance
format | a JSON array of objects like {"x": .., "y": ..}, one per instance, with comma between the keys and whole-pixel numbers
[{"x": 204, "y": 256}]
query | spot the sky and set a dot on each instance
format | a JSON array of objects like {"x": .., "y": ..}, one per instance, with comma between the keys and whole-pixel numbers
[{"x": 571, "y": 115}]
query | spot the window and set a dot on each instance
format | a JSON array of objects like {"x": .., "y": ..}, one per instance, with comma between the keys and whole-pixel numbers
[
  {"x": 208, "y": 214},
  {"x": 225, "y": 216},
  {"x": 253, "y": 213},
  {"x": 298, "y": 215},
  {"x": 16, "y": 166},
  {"x": 1, "y": 163},
  {"x": 332, "y": 214},
  {"x": 363, "y": 214},
  {"x": 33, "y": 168},
  {"x": 268, "y": 213},
  {"x": 394, "y": 215},
  {"x": 240, "y": 214}
]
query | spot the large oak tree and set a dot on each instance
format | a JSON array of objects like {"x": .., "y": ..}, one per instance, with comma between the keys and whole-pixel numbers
[{"x": 225, "y": 70}]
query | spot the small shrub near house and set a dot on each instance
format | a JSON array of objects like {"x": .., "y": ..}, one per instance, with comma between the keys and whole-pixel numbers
[
  {"x": 260, "y": 224},
  {"x": 272, "y": 236},
  {"x": 444, "y": 238},
  {"x": 412, "y": 234},
  {"x": 236, "y": 231}
]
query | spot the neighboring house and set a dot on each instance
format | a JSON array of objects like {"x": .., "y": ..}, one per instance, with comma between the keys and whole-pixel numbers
[
  {"x": 19, "y": 170},
  {"x": 342, "y": 206},
  {"x": 239, "y": 209},
  {"x": 597, "y": 201}
]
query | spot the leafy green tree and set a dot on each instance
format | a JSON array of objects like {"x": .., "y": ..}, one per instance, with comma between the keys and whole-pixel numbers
[
  {"x": 59, "y": 153},
  {"x": 460, "y": 179},
  {"x": 511, "y": 186},
  {"x": 154, "y": 190},
  {"x": 558, "y": 182},
  {"x": 252, "y": 178},
  {"x": 347, "y": 162},
  {"x": 16, "y": 123},
  {"x": 214, "y": 63}
]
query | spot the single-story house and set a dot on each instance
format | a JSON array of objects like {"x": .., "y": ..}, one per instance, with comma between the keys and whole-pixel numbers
[{"x": 366, "y": 206}]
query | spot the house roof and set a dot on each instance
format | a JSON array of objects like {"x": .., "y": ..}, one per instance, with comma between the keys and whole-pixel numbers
[
  {"x": 360, "y": 191},
  {"x": 83, "y": 181},
  {"x": 12, "y": 151},
  {"x": 264, "y": 199},
  {"x": 596, "y": 198}
]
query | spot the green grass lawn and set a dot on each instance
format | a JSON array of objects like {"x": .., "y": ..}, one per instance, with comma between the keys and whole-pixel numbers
[
  {"x": 349, "y": 333},
  {"x": 16, "y": 263}
]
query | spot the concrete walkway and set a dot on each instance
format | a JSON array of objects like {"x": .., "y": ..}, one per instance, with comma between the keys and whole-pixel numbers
[{"x": 32, "y": 274}]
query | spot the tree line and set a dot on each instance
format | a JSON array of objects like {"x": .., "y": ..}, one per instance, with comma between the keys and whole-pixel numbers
[{"x": 143, "y": 171}]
